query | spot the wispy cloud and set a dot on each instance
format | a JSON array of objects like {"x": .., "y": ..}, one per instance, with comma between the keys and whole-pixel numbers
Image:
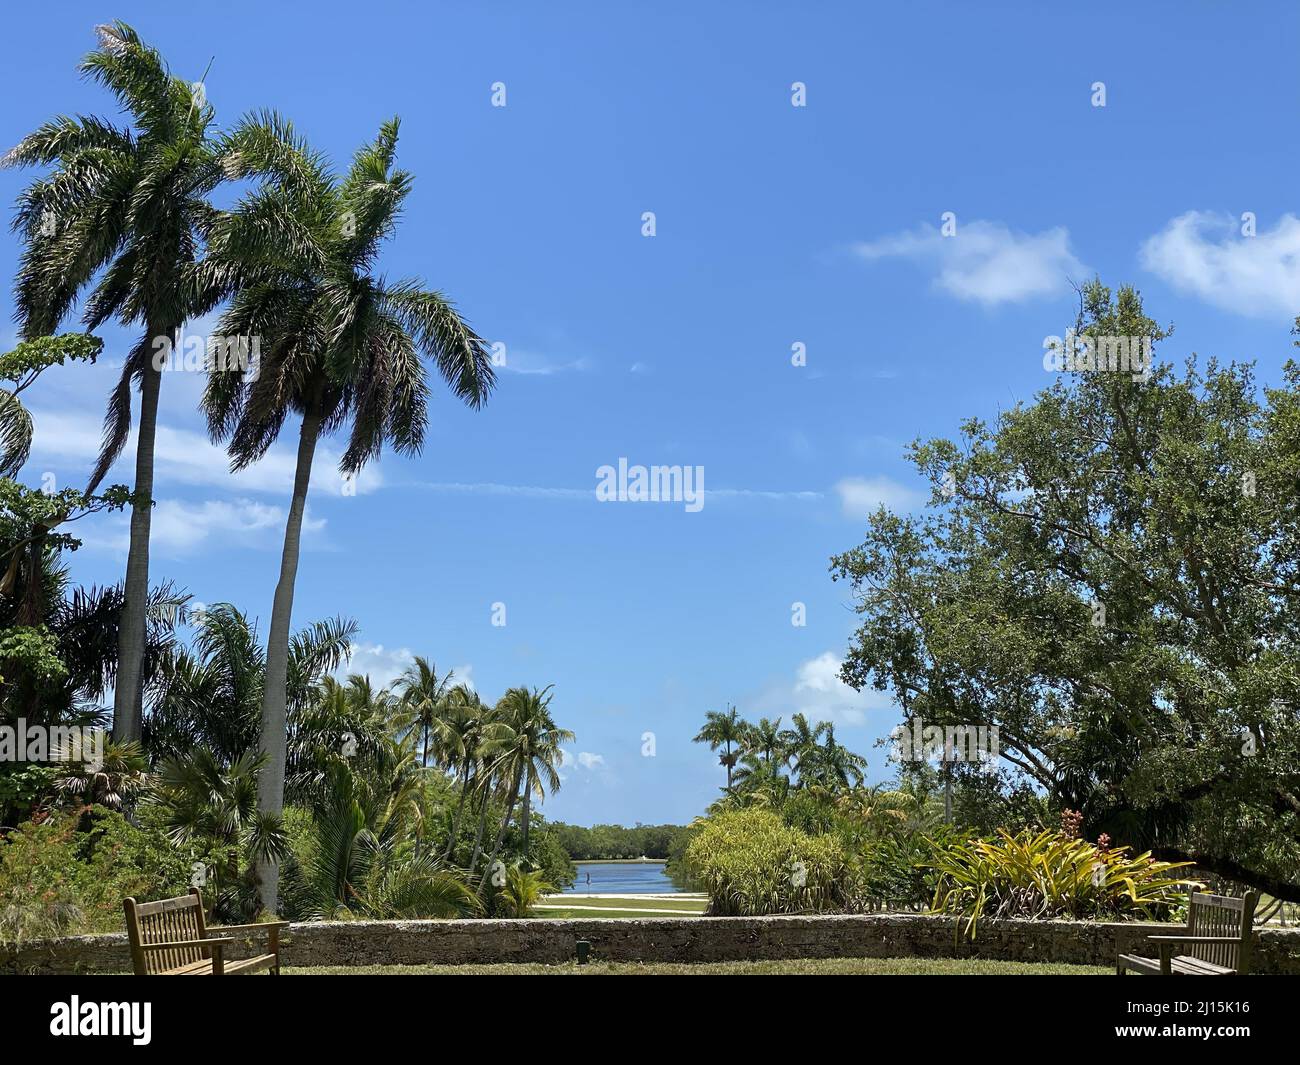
[
  {"x": 1204, "y": 254},
  {"x": 860, "y": 497},
  {"x": 532, "y": 491},
  {"x": 985, "y": 262},
  {"x": 533, "y": 363}
]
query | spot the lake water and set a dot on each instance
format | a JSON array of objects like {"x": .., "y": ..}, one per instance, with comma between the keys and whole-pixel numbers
[{"x": 623, "y": 878}]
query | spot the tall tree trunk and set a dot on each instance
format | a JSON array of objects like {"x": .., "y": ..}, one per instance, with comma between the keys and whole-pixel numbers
[
  {"x": 482, "y": 825},
  {"x": 128, "y": 690},
  {"x": 460, "y": 808},
  {"x": 528, "y": 802},
  {"x": 270, "y": 781},
  {"x": 505, "y": 823}
]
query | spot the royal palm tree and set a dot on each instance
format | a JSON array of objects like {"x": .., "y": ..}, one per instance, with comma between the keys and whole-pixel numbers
[
  {"x": 725, "y": 730},
  {"x": 339, "y": 344},
  {"x": 524, "y": 745},
  {"x": 126, "y": 205}
]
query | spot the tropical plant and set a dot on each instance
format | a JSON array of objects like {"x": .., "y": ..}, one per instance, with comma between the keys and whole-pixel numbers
[
  {"x": 366, "y": 859},
  {"x": 338, "y": 343},
  {"x": 1048, "y": 874},
  {"x": 522, "y": 890},
  {"x": 126, "y": 206},
  {"x": 751, "y": 863},
  {"x": 117, "y": 780},
  {"x": 210, "y": 807}
]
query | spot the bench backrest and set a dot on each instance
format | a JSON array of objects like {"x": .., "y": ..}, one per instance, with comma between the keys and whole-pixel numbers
[
  {"x": 165, "y": 921},
  {"x": 1219, "y": 915}
]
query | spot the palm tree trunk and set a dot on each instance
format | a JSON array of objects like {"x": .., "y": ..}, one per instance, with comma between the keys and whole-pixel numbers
[
  {"x": 128, "y": 698},
  {"x": 270, "y": 781},
  {"x": 528, "y": 795},
  {"x": 505, "y": 823},
  {"x": 482, "y": 825},
  {"x": 460, "y": 808}
]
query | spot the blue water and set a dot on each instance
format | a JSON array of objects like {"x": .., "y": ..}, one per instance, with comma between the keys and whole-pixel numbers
[{"x": 612, "y": 878}]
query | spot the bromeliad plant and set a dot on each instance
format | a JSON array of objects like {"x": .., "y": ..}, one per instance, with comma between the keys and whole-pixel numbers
[{"x": 1049, "y": 874}]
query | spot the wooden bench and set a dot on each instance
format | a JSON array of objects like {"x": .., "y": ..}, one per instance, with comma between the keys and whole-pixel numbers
[
  {"x": 1216, "y": 942},
  {"x": 169, "y": 938}
]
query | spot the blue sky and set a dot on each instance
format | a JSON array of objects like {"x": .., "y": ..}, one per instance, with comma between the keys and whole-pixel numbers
[{"x": 776, "y": 225}]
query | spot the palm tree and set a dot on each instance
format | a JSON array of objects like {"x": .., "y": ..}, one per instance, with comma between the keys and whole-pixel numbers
[
  {"x": 764, "y": 740},
  {"x": 339, "y": 344},
  {"x": 424, "y": 693},
  {"x": 210, "y": 693},
  {"x": 830, "y": 765},
  {"x": 725, "y": 730},
  {"x": 127, "y": 205},
  {"x": 525, "y": 749},
  {"x": 800, "y": 745},
  {"x": 464, "y": 732}
]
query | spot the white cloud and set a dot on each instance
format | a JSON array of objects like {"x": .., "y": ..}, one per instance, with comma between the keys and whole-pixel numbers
[
  {"x": 593, "y": 765},
  {"x": 183, "y": 456},
  {"x": 1203, "y": 253},
  {"x": 180, "y": 529},
  {"x": 860, "y": 497},
  {"x": 381, "y": 664},
  {"x": 985, "y": 262},
  {"x": 818, "y": 693}
]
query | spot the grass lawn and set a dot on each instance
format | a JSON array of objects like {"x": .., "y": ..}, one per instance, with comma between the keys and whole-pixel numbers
[
  {"x": 807, "y": 967},
  {"x": 573, "y": 907}
]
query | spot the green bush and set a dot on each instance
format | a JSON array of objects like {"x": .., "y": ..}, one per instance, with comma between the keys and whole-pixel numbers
[
  {"x": 70, "y": 873},
  {"x": 750, "y": 862},
  {"x": 1049, "y": 874}
]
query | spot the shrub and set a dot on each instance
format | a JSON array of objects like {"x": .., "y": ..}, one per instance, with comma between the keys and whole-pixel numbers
[
  {"x": 1048, "y": 875},
  {"x": 750, "y": 862},
  {"x": 70, "y": 874}
]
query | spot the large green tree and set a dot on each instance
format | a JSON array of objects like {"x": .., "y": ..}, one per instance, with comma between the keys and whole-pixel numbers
[
  {"x": 122, "y": 208},
  {"x": 1108, "y": 574},
  {"x": 339, "y": 345}
]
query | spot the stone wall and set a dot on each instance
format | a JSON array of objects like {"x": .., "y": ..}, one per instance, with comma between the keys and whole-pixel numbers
[{"x": 669, "y": 939}]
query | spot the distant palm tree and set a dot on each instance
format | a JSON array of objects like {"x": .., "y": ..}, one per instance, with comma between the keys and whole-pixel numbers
[
  {"x": 128, "y": 206},
  {"x": 339, "y": 344},
  {"x": 524, "y": 745},
  {"x": 800, "y": 744},
  {"x": 464, "y": 730},
  {"x": 424, "y": 693},
  {"x": 725, "y": 730},
  {"x": 764, "y": 740},
  {"x": 832, "y": 765}
]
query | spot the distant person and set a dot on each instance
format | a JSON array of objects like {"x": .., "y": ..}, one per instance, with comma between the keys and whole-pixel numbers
[{"x": 589, "y": 880}]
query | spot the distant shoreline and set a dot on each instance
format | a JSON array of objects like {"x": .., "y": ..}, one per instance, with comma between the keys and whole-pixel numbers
[{"x": 620, "y": 861}]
